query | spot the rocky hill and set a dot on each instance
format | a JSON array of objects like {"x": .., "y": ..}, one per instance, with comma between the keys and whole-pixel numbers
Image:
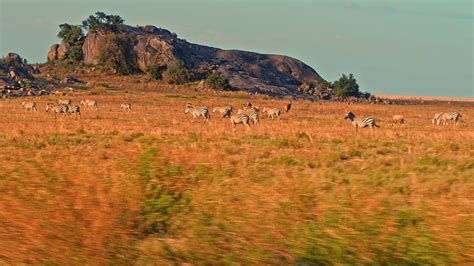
[{"x": 150, "y": 46}]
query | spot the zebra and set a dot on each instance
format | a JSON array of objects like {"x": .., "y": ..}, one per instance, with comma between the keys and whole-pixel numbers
[
  {"x": 272, "y": 111},
  {"x": 455, "y": 116},
  {"x": 30, "y": 106},
  {"x": 437, "y": 119},
  {"x": 356, "y": 122},
  {"x": 252, "y": 112},
  {"x": 288, "y": 106},
  {"x": 65, "y": 102},
  {"x": 89, "y": 103},
  {"x": 398, "y": 119},
  {"x": 240, "y": 119},
  {"x": 58, "y": 109},
  {"x": 74, "y": 109},
  {"x": 198, "y": 111},
  {"x": 126, "y": 107},
  {"x": 225, "y": 111}
]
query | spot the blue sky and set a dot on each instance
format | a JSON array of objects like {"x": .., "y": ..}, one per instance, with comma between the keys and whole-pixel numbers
[{"x": 407, "y": 47}]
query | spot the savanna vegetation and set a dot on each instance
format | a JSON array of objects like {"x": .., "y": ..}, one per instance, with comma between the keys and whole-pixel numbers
[{"x": 151, "y": 187}]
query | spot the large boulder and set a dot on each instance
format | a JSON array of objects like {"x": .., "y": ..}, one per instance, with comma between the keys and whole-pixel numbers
[
  {"x": 13, "y": 59},
  {"x": 53, "y": 53},
  {"x": 91, "y": 48},
  {"x": 62, "y": 50},
  {"x": 269, "y": 74},
  {"x": 16, "y": 67}
]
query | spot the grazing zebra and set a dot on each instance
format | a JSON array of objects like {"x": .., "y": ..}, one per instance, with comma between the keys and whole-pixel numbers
[
  {"x": 437, "y": 118},
  {"x": 65, "y": 102},
  {"x": 58, "y": 109},
  {"x": 455, "y": 116},
  {"x": 272, "y": 111},
  {"x": 225, "y": 111},
  {"x": 252, "y": 112},
  {"x": 30, "y": 106},
  {"x": 398, "y": 119},
  {"x": 356, "y": 122},
  {"x": 198, "y": 111},
  {"x": 89, "y": 104},
  {"x": 126, "y": 107},
  {"x": 74, "y": 109},
  {"x": 240, "y": 119},
  {"x": 288, "y": 106}
]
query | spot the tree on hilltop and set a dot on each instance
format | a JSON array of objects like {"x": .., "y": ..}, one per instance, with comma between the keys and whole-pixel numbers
[
  {"x": 71, "y": 34},
  {"x": 102, "y": 24}
]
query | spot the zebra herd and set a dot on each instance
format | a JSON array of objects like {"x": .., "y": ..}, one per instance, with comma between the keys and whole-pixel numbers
[
  {"x": 249, "y": 113},
  {"x": 246, "y": 115},
  {"x": 67, "y": 109}
]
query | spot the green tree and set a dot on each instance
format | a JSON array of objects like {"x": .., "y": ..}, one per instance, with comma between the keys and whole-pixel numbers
[
  {"x": 346, "y": 86},
  {"x": 217, "y": 81},
  {"x": 102, "y": 24},
  {"x": 74, "y": 54},
  {"x": 178, "y": 74},
  {"x": 156, "y": 71},
  {"x": 71, "y": 34}
]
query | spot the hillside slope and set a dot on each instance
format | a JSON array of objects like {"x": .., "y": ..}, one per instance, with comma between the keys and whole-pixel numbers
[{"x": 269, "y": 74}]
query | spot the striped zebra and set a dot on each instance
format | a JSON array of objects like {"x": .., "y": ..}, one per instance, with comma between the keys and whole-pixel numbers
[
  {"x": 198, "y": 111},
  {"x": 455, "y": 116},
  {"x": 437, "y": 118},
  {"x": 240, "y": 119},
  {"x": 74, "y": 109},
  {"x": 225, "y": 111},
  {"x": 30, "y": 106},
  {"x": 252, "y": 112},
  {"x": 89, "y": 104},
  {"x": 357, "y": 122},
  {"x": 272, "y": 111},
  {"x": 65, "y": 102},
  {"x": 126, "y": 107},
  {"x": 57, "y": 109}
]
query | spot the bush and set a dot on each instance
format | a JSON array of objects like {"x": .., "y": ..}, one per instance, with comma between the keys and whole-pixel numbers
[
  {"x": 156, "y": 71},
  {"x": 74, "y": 54},
  {"x": 116, "y": 54},
  {"x": 346, "y": 86},
  {"x": 217, "y": 82},
  {"x": 178, "y": 74}
]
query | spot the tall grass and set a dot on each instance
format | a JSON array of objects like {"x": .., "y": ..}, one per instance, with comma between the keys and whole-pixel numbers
[{"x": 152, "y": 187}]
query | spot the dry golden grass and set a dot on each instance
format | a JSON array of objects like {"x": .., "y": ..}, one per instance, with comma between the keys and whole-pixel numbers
[{"x": 150, "y": 187}]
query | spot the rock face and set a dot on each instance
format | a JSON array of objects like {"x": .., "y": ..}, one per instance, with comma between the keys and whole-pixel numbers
[
  {"x": 16, "y": 78},
  {"x": 57, "y": 52},
  {"x": 62, "y": 50},
  {"x": 268, "y": 74},
  {"x": 53, "y": 53}
]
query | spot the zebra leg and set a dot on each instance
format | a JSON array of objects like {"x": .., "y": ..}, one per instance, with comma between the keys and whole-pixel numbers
[{"x": 247, "y": 126}]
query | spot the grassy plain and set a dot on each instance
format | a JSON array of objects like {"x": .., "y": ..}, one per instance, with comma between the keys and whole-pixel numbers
[{"x": 150, "y": 187}]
